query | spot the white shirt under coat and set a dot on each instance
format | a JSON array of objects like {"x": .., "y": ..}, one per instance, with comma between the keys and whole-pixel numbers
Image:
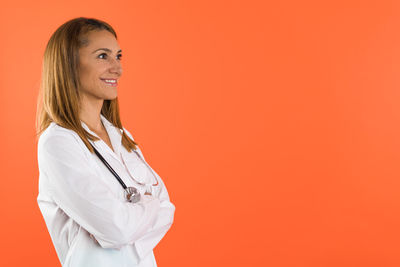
[{"x": 84, "y": 207}]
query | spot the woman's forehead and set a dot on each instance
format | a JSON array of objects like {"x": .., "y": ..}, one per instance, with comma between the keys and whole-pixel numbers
[{"x": 101, "y": 39}]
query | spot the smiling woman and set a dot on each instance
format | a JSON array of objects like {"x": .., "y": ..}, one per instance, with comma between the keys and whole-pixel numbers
[{"x": 85, "y": 156}]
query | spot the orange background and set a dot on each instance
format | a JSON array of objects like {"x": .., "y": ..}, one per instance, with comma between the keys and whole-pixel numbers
[{"x": 275, "y": 126}]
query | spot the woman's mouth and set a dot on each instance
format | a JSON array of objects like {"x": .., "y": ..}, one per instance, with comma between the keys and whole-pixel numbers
[{"x": 110, "y": 82}]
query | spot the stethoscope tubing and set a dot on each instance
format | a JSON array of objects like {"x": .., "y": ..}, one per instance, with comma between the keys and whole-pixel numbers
[{"x": 110, "y": 168}]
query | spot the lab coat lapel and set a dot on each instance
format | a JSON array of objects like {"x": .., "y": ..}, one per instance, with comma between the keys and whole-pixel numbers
[{"x": 115, "y": 136}]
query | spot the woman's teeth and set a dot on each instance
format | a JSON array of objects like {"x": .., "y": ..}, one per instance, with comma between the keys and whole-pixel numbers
[{"x": 110, "y": 82}]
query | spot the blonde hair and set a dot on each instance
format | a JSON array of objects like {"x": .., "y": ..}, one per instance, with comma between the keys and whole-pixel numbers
[{"x": 58, "y": 99}]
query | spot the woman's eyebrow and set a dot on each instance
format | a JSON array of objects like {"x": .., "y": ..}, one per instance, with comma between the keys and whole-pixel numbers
[{"x": 105, "y": 49}]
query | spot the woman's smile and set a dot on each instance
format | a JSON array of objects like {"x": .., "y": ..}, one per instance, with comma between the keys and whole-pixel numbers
[{"x": 110, "y": 82}]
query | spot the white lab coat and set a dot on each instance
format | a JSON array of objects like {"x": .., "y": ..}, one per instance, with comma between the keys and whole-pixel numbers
[{"x": 89, "y": 220}]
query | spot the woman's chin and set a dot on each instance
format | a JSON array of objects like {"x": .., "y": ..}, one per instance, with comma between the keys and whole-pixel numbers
[{"x": 111, "y": 97}]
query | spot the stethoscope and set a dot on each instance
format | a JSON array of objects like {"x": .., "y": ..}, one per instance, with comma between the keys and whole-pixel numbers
[{"x": 131, "y": 193}]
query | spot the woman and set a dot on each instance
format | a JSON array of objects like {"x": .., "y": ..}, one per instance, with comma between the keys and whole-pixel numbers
[{"x": 102, "y": 204}]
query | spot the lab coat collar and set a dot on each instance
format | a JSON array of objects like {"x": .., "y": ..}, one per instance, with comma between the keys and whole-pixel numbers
[{"x": 114, "y": 133}]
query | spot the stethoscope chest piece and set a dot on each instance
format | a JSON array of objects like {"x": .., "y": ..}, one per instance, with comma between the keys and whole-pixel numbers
[{"x": 132, "y": 194}]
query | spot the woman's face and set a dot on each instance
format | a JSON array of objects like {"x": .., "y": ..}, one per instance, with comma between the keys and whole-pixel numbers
[{"x": 100, "y": 66}]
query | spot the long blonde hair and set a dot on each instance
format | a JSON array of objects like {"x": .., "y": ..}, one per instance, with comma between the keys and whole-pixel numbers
[{"x": 58, "y": 99}]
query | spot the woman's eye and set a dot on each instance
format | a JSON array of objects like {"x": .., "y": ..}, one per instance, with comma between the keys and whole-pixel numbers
[{"x": 104, "y": 54}]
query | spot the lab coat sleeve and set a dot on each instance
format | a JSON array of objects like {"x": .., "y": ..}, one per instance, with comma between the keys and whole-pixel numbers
[
  {"x": 77, "y": 190},
  {"x": 163, "y": 221},
  {"x": 162, "y": 224}
]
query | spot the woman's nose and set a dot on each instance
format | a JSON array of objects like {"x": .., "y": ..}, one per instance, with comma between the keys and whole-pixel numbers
[{"x": 115, "y": 66}]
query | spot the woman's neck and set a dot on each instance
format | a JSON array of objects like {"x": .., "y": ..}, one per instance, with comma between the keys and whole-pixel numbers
[{"x": 90, "y": 114}]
